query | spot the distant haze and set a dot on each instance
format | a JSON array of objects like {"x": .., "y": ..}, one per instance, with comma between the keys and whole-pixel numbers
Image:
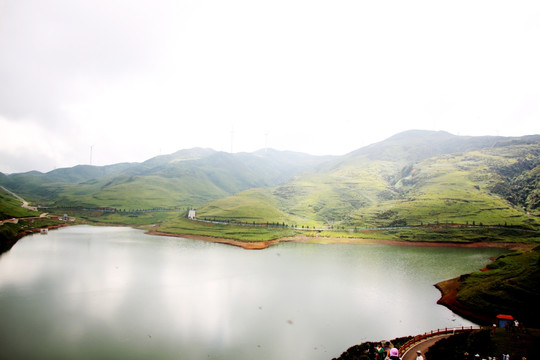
[{"x": 104, "y": 82}]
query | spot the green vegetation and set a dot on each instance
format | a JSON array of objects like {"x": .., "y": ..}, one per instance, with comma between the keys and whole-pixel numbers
[
  {"x": 519, "y": 182},
  {"x": 10, "y": 233},
  {"x": 366, "y": 192},
  {"x": 509, "y": 287},
  {"x": 188, "y": 178},
  {"x": 8, "y": 236},
  {"x": 255, "y": 206},
  {"x": 415, "y": 186},
  {"x": 453, "y": 189},
  {"x": 181, "y": 225},
  {"x": 135, "y": 219},
  {"x": 466, "y": 234},
  {"x": 10, "y": 207},
  {"x": 413, "y": 182}
]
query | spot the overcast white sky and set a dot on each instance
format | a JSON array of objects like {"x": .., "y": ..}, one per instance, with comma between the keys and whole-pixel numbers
[{"x": 135, "y": 78}]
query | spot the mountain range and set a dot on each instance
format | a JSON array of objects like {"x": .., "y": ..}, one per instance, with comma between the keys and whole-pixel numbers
[{"x": 414, "y": 177}]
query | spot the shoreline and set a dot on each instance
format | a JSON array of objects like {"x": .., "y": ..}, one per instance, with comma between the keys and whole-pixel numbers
[
  {"x": 449, "y": 292},
  {"x": 448, "y": 288},
  {"x": 7, "y": 244},
  {"x": 260, "y": 245},
  {"x": 364, "y": 241},
  {"x": 247, "y": 245}
]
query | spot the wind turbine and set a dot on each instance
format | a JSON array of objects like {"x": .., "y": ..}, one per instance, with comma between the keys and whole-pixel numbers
[
  {"x": 91, "y": 149},
  {"x": 232, "y": 137}
]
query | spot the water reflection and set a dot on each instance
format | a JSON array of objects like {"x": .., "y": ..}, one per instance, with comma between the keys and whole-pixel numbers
[{"x": 87, "y": 292}]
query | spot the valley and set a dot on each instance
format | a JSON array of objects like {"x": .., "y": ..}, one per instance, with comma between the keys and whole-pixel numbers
[{"x": 418, "y": 188}]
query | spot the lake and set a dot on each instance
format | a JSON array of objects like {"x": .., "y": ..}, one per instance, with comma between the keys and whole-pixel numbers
[{"x": 111, "y": 292}]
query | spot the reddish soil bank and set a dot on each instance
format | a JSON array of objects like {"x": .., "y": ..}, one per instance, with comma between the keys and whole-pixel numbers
[
  {"x": 449, "y": 291},
  {"x": 37, "y": 230},
  {"x": 8, "y": 244}
]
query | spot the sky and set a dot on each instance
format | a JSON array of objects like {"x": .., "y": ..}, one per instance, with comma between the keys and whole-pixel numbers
[{"x": 107, "y": 81}]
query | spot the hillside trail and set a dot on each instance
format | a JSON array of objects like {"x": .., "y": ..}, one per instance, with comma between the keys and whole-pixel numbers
[{"x": 24, "y": 202}]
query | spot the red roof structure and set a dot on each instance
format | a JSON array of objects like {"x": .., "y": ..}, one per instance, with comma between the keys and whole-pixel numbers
[{"x": 505, "y": 317}]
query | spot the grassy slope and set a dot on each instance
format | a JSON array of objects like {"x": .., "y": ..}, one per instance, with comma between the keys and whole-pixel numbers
[
  {"x": 139, "y": 192},
  {"x": 455, "y": 189},
  {"x": 251, "y": 206},
  {"x": 365, "y": 193},
  {"x": 181, "y": 225},
  {"x": 317, "y": 199},
  {"x": 186, "y": 178},
  {"x": 443, "y": 233},
  {"x": 392, "y": 183},
  {"x": 509, "y": 287},
  {"x": 41, "y": 187},
  {"x": 141, "y": 219},
  {"x": 10, "y": 207}
]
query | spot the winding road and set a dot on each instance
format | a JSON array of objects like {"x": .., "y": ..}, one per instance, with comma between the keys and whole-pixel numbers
[
  {"x": 423, "y": 346},
  {"x": 424, "y": 341},
  {"x": 24, "y": 202}
]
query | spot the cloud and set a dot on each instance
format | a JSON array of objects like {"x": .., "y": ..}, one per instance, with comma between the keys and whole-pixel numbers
[
  {"x": 27, "y": 142},
  {"x": 136, "y": 79}
]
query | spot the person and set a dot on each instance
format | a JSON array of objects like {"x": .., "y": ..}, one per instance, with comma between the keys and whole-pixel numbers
[
  {"x": 380, "y": 351},
  {"x": 371, "y": 351},
  {"x": 419, "y": 355},
  {"x": 394, "y": 354}
]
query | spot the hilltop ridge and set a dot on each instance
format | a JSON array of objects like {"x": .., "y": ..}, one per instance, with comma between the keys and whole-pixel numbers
[{"x": 412, "y": 178}]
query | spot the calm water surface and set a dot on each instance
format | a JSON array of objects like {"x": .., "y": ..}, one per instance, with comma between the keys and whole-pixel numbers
[{"x": 103, "y": 292}]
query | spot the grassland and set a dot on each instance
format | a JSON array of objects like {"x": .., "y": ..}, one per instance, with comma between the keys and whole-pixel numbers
[
  {"x": 181, "y": 225},
  {"x": 188, "y": 178},
  {"x": 510, "y": 286},
  {"x": 138, "y": 192},
  {"x": 135, "y": 219},
  {"x": 414, "y": 185},
  {"x": 441, "y": 233},
  {"x": 250, "y": 206},
  {"x": 10, "y": 207},
  {"x": 365, "y": 193}
]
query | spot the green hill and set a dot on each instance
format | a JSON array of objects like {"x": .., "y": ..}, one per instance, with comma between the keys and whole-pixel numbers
[
  {"x": 250, "y": 206},
  {"x": 413, "y": 178},
  {"x": 185, "y": 178},
  {"x": 10, "y": 207},
  {"x": 510, "y": 286},
  {"x": 38, "y": 187}
]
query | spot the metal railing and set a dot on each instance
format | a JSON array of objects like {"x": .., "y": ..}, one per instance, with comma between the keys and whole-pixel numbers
[{"x": 419, "y": 338}]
